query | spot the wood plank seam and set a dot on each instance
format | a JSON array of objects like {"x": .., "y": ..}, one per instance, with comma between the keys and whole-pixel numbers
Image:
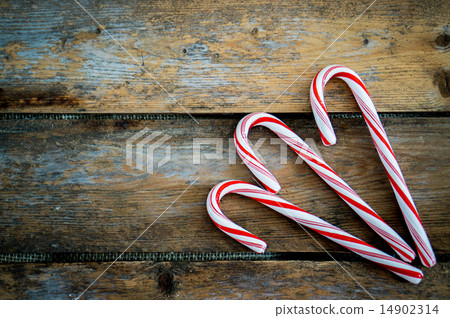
[
  {"x": 44, "y": 197},
  {"x": 74, "y": 257},
  {"x": 171, "y": 116},
  {"x": 71, "y": 65}
]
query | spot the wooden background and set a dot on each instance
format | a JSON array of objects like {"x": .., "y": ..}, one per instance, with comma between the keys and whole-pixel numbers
[{"x": 70, "y": 97}]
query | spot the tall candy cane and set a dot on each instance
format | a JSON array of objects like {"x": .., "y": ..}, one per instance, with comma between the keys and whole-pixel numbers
[
  {"x": 300, "y": 216},
  {"x": 245, "y": 151},
  {"x": 382, "y": 145}
]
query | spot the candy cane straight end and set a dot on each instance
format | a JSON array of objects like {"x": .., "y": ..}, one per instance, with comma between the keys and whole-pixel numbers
[
  {"x": 330, "y": 138},
  {"x": 408, "y": 258},
  {"x": 428, "y": 262},
  {"x": 260, "y": 250},
  {"x": 329, "y": 142},
  {"x": 274, "y": 189},
  {"x": 415, "y": 279},
  {"x": 427, "y": 256},
  {"x": 406, "y": 254}
]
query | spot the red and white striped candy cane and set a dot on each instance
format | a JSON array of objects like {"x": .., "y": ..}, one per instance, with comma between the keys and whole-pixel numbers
[
  {"x": 382, "y": 145},
  {"x": 245, "y": 151},
  {"x": 300, "y": 216}
]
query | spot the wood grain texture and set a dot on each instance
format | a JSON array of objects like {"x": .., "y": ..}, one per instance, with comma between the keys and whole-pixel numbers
[
  {"x": 219, "y": 57},
  {"x": 216, "y": 280},
  {"x": 65, "y": 187}
]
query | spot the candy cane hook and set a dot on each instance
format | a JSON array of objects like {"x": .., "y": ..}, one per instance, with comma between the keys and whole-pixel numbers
[
  {"x": 382, "y": 145},
  {"x": 245, "y": 151},
  {"x": 300, "y": 216}
]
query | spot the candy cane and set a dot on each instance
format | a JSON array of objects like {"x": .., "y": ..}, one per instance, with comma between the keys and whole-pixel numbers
[
  {"x": 245, "y": 151},
  {"x": 300, "y": 216},
  {"x": 382, "y": 145}
]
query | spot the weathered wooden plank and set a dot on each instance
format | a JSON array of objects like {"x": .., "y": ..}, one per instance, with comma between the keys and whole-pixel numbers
[
  {"x": 216, "y": 280},
  {"x": 65, "y": 185},
  {"x": 237, "y": 56}
]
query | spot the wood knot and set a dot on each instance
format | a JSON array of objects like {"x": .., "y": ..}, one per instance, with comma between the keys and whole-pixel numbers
[
  {"x": 366, "y": 41},
  {"x": 166, "y": 283},
  {"x": 184, "y": 51},
  {"x": 215, "y": 58},
  {"x": 442, "y": 79},
  {"x": 254, "y": 31},
  {"x": 121, "y": 124},
  {"x": 443, "y": 41},
  {"x": 98, "y": 30}
]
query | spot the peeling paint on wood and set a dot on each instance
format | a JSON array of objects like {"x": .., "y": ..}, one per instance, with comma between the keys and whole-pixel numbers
[
  {"x": 212, "y": 57},
  {"x": 65, "y": 187},
  {"x": 237, "y": 280}
]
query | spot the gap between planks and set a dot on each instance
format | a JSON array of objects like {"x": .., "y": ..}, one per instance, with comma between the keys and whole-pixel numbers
[
  {"x": 172, "y": 116},
  {"x": 12, "y": 258}
]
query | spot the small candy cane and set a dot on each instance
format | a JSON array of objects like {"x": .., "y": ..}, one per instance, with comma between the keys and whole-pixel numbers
[
  {"x": 382, "y": 145},
  {"x": 245, "y": 151},
  {"x": 300, "y": 216}
]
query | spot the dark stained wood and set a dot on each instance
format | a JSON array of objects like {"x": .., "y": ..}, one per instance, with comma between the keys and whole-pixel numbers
[
  {"x": 237, "y": 56},
  {"x": 65, "y": 187},
  {"x": 216, "y": 280}
]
